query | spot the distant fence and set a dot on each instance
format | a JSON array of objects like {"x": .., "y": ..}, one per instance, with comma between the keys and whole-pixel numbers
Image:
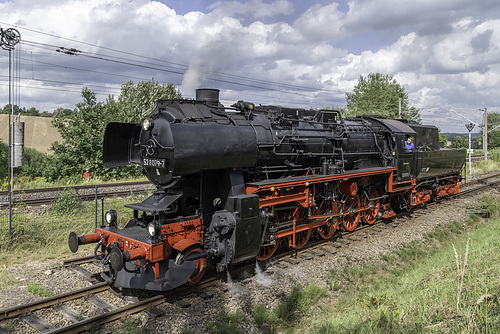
[{"x": 67, "y": 213}]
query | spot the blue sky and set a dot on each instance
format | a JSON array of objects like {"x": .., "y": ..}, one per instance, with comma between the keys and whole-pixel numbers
[{"x": 446, "y": 53}]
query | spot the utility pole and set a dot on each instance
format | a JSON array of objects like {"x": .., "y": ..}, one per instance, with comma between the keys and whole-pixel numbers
[
  {"x": 485, "y": 134},
  {"x": 8, "y": 40},
  {"x": 469, "y": 127}
]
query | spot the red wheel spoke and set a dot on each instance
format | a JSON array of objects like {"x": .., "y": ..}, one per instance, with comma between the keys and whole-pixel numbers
[
  {"x": 371, "y": 214},
  {"x": 266, "y": 252},
  {"x": 301, "y": 239},
  {"x": 328, "y": 230},
  {"x": 351, "y": 217},
  {"x": 201, "y": 265}
]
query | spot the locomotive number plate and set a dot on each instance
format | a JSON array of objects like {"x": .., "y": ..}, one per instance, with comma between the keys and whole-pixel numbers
[{"x": 157, "y": 163}]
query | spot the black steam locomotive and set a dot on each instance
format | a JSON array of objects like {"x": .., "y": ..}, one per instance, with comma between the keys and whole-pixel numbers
[{"x": 236, "y": 183}]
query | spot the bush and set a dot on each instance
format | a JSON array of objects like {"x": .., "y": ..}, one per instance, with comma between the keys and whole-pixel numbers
[
  {"x": 66, "y": 203},
  {"x": 4, "y": 160},
  {"x": 34, "y": 163},
  {"x": 494, "y": 155}
]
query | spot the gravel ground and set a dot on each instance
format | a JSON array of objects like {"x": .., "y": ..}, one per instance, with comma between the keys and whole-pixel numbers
[{"x": 242, "y": 293}]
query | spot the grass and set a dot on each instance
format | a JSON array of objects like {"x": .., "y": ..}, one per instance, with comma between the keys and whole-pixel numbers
[
  {"x": 291, "y": 310},
  {"x": 449, "y": 283},
  {"x": 43, "y": 234},
  {"x": 8, "y": 327},
  {"x": 6, "y": 279},
  {"x": 284, "y": 316},
  {"x": 482, "y": 167},
  {"x": 226, "y": 323},
  {"x": 130, "y": 327},
  {"x": 38, "y": 290}
]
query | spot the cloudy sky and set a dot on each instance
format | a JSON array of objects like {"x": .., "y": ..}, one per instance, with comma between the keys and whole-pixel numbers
[{"x": 293, "y": 53}]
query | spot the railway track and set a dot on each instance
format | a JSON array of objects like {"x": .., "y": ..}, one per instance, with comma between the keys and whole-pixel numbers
[
  {"x": 84, "y": 192},
  {"x": 88, "y": 192},
  {"x": 27, "y": 313},
  {"x": 479, "y": 184},
  {"x": 312, "y": 249},
  {"x": 51, "y": 301},
  {"x": 481, "y": 179}
]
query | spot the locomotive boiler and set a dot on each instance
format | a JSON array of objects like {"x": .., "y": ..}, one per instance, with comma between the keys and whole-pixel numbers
[{"x": 234, "y": 184}]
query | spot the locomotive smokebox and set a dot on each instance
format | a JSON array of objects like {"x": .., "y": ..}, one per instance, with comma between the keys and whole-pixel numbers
[{"x": 209, "y": 95}]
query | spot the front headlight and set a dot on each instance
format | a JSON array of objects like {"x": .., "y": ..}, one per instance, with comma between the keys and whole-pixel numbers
[
  {"x": 147, "y": 124},
  {"x": 111, "y": 217},
  {"x": 151, "y": 229}
]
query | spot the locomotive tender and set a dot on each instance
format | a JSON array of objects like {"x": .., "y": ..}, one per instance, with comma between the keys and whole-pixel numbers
[{"x": 234, "y": 184}]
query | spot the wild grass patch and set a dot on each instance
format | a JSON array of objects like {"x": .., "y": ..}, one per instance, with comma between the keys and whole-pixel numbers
[
  {"x": 291, "y": 309},
  {"x": 448, "y": 283},
  {"x": 6, "y": 279},
  {"x": 226, "y": 323},
  {"x": 39, "y": 290},
  {"x": 42, "y": 233}
]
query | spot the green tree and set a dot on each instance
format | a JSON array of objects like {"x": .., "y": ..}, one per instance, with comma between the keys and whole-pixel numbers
[
  {"x": 22, "y": 111},
  {"x": 379, "y": 94},
  {"x": 493, "y": 130},
  {"x": 62, "y": 112},
  {"x": 6, "y": 109},
  {"x": 4, "y": 161},
  {"x": 461, "y": 142},
  {"x": 82, "y": 136},
  {"x": 32, "y": 112},
  {"x": 477, "y": 142},
  {"x": 442, "y": 138},
  {"x": 34, "y": 163},
  {"x": 136, "y": 101}
]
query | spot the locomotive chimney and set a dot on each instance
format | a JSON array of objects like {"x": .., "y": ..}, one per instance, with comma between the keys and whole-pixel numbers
[{"x": 209, "y": 95}]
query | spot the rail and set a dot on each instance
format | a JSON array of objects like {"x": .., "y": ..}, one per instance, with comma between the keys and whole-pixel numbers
[
  {"x": 50, "y": 301},
  {"x": 84, "y": 192}
]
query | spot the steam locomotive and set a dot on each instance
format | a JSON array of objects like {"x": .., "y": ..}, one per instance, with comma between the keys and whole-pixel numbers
[{"x": 234, "y": 184}]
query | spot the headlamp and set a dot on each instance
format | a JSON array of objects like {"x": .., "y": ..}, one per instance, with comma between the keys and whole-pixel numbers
[
  {"x": 111, "y": 217},
  {"x": 147, "y": 124},
  {"x": 151, "y": 229}
]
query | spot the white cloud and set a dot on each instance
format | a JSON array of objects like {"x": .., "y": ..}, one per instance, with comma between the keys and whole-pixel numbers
[
  {"x": 321, "y": 23},
  {"x": 255, "y": 9},
  {"x": 444, "y": 53}
]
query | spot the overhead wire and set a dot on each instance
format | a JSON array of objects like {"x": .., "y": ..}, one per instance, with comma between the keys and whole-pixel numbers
[
  {"x": 231, "y": 77},
  {"x": 48, "y": 64}
]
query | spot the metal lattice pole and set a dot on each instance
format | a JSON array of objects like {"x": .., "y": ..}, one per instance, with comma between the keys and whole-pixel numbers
[{"x": 8, "y": 40}]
